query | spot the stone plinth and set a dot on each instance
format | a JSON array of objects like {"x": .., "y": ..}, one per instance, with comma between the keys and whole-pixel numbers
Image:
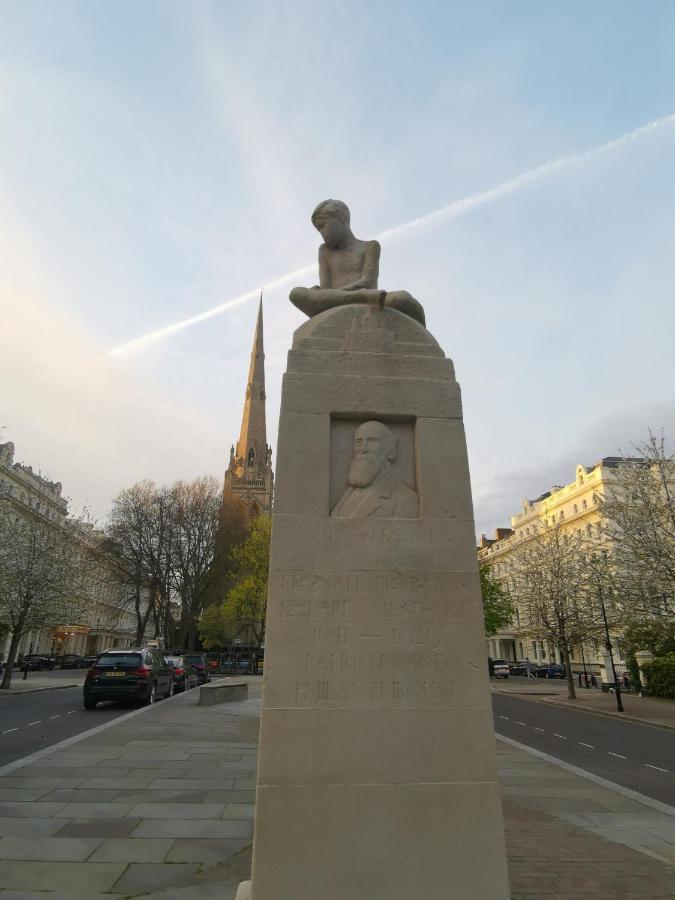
[{"x": 376, "y": 776}]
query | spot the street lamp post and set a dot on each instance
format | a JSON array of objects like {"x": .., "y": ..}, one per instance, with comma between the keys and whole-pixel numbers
[{"x": 608, "y": 645}]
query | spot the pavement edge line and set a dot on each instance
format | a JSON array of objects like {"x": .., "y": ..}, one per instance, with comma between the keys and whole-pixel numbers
[
  {"x": 608, "y": 714},
  {"x": 590, "y": 776},
  {"x": 38, "y": 690},
  {"x": 76, "y": 738},
  {"x": 563, "y": 704}
]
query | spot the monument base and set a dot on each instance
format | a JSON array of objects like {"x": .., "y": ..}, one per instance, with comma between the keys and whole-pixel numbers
[{"x": 243, "y": 891}]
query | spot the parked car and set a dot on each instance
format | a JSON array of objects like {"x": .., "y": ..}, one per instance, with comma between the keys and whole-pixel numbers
[
  {"x": 555, "y": 671},
  {"x": 71, "y": 661},
  {"x": 198, "y": 660},
  {"x": 35, "y": 662},
  {"x": 520, "y": 668},
  {"x": 140, "y": 675},
  {"x": 88, "y": 661},
  {"x": 500, "y": 667},
  {"x": 551, "y": 671},
  {"x": 185, "y": 676}
]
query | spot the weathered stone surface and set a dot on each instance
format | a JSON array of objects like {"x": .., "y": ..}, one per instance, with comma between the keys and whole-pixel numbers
[
  {"x": 376, "y": 776},
  {"x": 222, "y": 692}
]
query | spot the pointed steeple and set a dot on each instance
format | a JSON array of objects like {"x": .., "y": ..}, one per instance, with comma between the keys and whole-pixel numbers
[{"x": 252, "y": 444}]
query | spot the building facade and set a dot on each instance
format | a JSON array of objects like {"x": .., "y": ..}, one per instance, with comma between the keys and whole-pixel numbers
[
  {"x": 576, "y": 506},
  {"x": 106, "y": 623},
  {"x": 249, "y": 474}
]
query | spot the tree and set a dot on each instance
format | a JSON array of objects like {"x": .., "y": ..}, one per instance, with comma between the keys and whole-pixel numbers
[
  {"x": 195, "y": 510},
  {"x": 45, "y": 571},
  {"x": 498, "y": 609},
  {"x": 555, "y": 592},
  {"x": 233, "y": 520},
  {"x": 247, "y": 600},
  {"x": 639, "y": 508},
  {"x": 216, "y": 627},
  {"x": 138, "y": 541},
  {"x": 171, "y": 547}
]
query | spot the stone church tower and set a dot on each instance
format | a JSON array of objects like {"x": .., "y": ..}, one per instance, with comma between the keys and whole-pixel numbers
[{"x": 249, "y": 474}]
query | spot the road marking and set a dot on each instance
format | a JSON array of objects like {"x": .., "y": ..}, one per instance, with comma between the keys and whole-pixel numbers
[
  {"x": 538, "y": 729},
  {"x": 590, "y": 746},
  {"x": 658, "y": 768},
  {"x": 57, "y": 716},
  {"x": 38, "y": 722},
  {"x": 618, "y": 755},
  {"x": 561, "y": 736},
  {"x": 10, "y": 730},
  {"x": 70, "y": 712},
  {"x": 519, "y": 723},
  {"x": 504, "y": 717}
]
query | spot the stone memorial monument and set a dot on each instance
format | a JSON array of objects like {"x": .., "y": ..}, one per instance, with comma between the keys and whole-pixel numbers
[{"x": 376, "y": 776}]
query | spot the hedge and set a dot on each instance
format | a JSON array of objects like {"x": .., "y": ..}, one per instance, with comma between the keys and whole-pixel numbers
[{"x": 660, "y": 676}]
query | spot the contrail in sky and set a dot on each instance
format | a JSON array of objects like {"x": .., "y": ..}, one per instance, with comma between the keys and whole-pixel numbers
[{"x": 450, "y": 211}]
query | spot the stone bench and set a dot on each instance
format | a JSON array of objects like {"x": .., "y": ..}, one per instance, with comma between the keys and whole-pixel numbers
[{"x": 222, "y": 692}]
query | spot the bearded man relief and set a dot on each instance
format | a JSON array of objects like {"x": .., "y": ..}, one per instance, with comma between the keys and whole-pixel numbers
[{"x": 374, "y": 488}]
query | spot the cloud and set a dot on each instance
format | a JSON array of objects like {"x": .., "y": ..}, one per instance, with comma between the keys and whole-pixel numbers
[
  {"x": 438, "y": 217},
  {"x": 76, "y": 417}
]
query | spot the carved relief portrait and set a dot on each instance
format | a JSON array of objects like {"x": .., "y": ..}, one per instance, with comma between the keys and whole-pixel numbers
[{"x": 376, "y": 486}]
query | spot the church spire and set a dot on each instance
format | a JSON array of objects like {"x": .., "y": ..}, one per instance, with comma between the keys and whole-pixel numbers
[{"x": 252, "y": 448}]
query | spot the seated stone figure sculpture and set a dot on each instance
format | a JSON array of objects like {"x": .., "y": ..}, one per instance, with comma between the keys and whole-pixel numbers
[{"x": 348, "y": 269}]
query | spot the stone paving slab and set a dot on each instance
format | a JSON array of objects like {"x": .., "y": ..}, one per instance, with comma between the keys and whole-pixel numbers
[
  {"x": 71, "y": 878},
  {"x": 142, "y": 877},
  {"x": 57, "y": 895},
  {"x": 103, "y": 828},
  {"x": 65, "y": 849},
  {"x": 134, "y": 850}
]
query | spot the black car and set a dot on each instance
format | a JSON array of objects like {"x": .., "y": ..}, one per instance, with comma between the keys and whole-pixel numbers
[
  {"x": 34, "y": 662},
  {"x": 141, "y": 675},
  {"x": 198, "y": 660},
  {"x": 185, "y": 676},
  {"x": 71, "y": 661}
]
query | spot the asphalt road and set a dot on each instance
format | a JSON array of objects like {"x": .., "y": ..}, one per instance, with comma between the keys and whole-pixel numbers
[
  {"x": 639, "y": 757},
  {"x": 30, "y": 722}
]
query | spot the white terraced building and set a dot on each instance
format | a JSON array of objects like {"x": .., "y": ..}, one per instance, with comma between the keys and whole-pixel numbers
[
  {"x": 576, "y": 505},
  {"x": 106, "y": 623}
]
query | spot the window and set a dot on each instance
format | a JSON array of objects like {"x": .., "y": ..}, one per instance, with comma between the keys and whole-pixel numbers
[
  {"x": 588, "y": 530},
  {"x": 584, "y": 504},
  {"x": 251, "y": 456},
  {"x": 576, "y": 509}
]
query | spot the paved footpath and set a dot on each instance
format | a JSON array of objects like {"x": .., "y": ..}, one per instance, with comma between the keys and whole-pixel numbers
[{"x": 159, "y": 804}]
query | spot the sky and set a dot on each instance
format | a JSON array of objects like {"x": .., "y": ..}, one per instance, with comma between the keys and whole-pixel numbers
[{"x": 161, "y": 159}]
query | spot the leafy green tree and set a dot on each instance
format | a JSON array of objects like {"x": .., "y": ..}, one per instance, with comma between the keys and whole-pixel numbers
[
  {"x": 498, "y": 609},
  {"x": 216, "y": 627},
  {"x": 246, "y": 601}
]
